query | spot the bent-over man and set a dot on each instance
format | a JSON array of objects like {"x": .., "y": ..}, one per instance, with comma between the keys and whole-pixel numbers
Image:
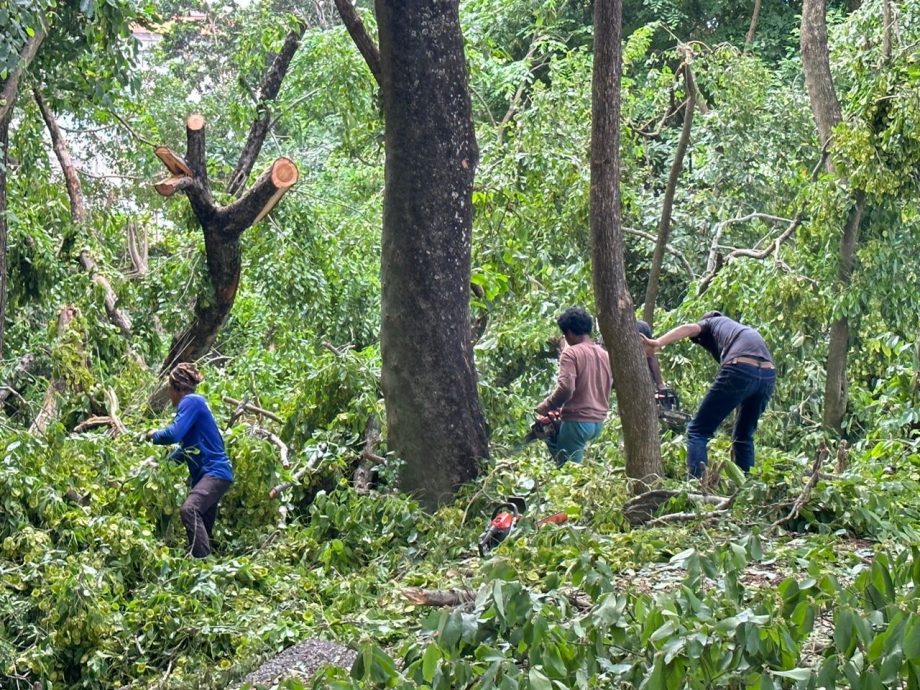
[{"x": 745, "y": 381}]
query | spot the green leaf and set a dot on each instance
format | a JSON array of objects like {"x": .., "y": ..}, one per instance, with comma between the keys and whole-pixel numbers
[
  {"x": 538, "y": 681},
  {"x": 796, "y": 674},
  {"x": 430, "y": 662}
]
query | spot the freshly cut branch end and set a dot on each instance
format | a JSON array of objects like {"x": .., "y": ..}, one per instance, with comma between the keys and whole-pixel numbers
[
  {"x": 170, "y": 185},
  {"x": 173, "y": 161},
  {"x": 284, "y": 175},
  {"x": 195, "y": 122}
]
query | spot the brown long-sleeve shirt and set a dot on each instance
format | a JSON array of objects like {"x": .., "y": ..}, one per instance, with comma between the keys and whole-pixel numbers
[{"x": 583, "y": 385}]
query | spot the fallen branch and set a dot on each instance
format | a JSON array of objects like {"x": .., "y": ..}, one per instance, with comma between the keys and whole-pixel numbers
[
  {"x": 253, "y": 408},
  {"x": 116, "y": 316},
  {"x": 283, "y": 450},
  {"x": 641, "y": 509},
  {"x": 298, "y": 475},
  {"x": 438, "y": 597},
  {"x": 809, "y": 486}
]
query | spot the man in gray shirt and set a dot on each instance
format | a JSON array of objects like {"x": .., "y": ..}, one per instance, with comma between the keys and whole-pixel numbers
[{"x": 745, "y": 381}]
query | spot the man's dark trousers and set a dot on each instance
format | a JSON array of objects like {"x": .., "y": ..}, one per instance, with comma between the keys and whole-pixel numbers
[
  {"x": 744, "y": 385},
  {"x": 199, "y": 512}
]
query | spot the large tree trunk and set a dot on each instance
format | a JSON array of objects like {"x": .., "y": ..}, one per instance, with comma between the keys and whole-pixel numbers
[
  {"x": 614, "y": 303},
  {"x": 667, "y": 205},
  {"x": 435, "y": 423},
  {"x": 826, "y": 110}
]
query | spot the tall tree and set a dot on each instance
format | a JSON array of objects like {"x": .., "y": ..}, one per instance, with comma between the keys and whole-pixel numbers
[
  {"x": 827, "y": 113},
  {"x": 435, "y": 422},
  {"x": 615, "y": 309}
]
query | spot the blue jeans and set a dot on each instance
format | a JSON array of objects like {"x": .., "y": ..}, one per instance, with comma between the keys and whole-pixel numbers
[
  {"x": 570, "y": 442},
  {"x": 744, "y": 386}
]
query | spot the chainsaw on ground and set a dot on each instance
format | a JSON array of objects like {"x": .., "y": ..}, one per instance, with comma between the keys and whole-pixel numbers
[{"x": 504, "y": 518}]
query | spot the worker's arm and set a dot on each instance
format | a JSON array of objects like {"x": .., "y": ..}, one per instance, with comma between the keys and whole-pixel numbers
[
  {"x": 565, "y": 385},
  {"x": 687, "y": 330},
  {"x": 175, "y": 432}
]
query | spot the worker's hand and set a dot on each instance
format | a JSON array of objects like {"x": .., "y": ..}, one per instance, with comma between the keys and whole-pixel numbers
[
  {"x": 651, "y": 345},
  {"x": 149, "y": 435},
  {"x": 542, "y": 408}
]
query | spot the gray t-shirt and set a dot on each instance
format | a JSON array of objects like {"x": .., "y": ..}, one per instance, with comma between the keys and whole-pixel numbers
[{"x": 726, "y": 339}]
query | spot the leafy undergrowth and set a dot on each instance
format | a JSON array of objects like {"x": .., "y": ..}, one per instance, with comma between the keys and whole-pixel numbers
[{"x": 102, "y": 595}]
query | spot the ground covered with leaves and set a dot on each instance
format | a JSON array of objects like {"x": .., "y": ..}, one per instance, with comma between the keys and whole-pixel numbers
[{"x": 103, "y": 594}]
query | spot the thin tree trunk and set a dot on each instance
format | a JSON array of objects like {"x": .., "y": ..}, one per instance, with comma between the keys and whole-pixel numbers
[
  {"x": 752, "y": 29},
  {"x": 434, "y": 420},
  {"x": 358, "y": 32},
  {"x": 887, "y": 30},
  {"x": 836, "y": 387},
  {"x": 59, "y": 144},
  {"x": 4, "y": 143},
  {"x": 667, "y": 205},
  {"x": 816, "y": 62},
  {"x": 614, "y": 303},
  {"x": 826, "y": 110}
]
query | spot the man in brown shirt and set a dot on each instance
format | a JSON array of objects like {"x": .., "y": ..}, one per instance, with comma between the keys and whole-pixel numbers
[{"x": 582, "y": 391}]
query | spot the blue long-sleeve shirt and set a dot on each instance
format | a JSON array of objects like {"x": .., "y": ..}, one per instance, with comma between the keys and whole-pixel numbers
[{"x": 201, "y": 446}]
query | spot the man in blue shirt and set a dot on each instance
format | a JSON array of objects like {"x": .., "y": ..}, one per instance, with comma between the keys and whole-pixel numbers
[
  {"x": 746, "y": 380},
  {"x": 201, "y": 447}
]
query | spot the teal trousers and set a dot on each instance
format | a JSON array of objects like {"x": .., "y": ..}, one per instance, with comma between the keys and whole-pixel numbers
[{"x": 570, "y": 442}]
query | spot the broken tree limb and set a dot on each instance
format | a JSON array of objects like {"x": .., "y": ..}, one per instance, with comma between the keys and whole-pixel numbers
[
  {"x": 253, "y": 408},
  {"x": 265, "y": 434},
  {"x": 641, "y": 508},
  {"x": 116, "y": 316},
  {"x": 439, "y": 597},
  {"x": 268, "y": 91},
  {"x": 358, "y": 32},
  {"x": 298, "y": 475},
  {"x": 61, "y": 151},
  {"x": 813, "y": 478}
]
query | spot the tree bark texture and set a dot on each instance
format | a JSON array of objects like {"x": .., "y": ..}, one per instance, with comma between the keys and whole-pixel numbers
[
  {"x": 836, "y": 388},
  {"x": 4, "y": 144},
  {"x": 268, "y": 91},
  {"x": 615, "y": 308},
  {"x": 816, "y": 62},
  {"x": 434, "y": 419},
  {"x": 9, "y": 89},
  {"x": 59, "y": 144},
  {"x": 752, "y": 29},
  {"x": 222, "y": 228},
  {"x": 826, "y": 110},
  {"x": 358, "y": 32},
  {"x": 667, "y": 204}
]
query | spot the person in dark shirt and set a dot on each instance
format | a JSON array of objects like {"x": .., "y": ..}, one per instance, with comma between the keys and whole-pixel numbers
[
  {"x": 582, "y": 391},
  {"x": 202, "y": 449},
  {"x": 745, "y": 381}
]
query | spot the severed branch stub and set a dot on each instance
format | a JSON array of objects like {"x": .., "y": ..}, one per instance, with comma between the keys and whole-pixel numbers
[{"x": 222, "y": 227}]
